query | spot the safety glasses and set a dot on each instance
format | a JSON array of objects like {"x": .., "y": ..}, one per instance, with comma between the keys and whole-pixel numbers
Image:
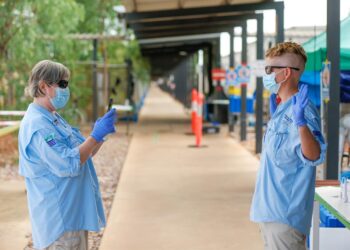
[
  {"x": 268, "y": 69},
  {"x": 62, "y": 84}
]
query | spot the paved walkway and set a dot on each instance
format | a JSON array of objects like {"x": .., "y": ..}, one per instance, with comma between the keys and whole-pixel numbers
[
  {"x": 14, "y": 220},
  {"x": 173, "y": 197}
]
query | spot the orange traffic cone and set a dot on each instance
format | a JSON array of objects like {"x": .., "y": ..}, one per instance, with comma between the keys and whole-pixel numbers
[
  {"x": 194, "y": 107},
  {"x": 199, "y": 124}
]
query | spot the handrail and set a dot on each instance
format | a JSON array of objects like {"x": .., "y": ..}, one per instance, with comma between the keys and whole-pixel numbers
[
  {"x": 12, "y": 112},
  {"x": 8, "y": 130}
]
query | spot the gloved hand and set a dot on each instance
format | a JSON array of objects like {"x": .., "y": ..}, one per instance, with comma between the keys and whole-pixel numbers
[
  {"x": 273, "y": 103},
  {"x": 104, "y": 125},
  {"x": 300, "y": 101}
]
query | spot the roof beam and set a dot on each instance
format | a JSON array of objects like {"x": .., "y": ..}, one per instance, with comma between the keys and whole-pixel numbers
[
  {"x": 134, "y": 3},
  {"x": 184, "y": 32},
  {"x": 175, "y": 49},
  {"x": 183, "y": 22},
  {"x": 134, "y": 17},
  {"x": 188, "y": 30},
  {"x": 179, "y": 43},
  {"x": 177, "y": 39},
  {"x": 186, "y": 27}
]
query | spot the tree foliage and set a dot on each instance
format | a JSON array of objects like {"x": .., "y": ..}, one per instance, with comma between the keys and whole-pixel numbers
[{"x": 33, "y": 30}]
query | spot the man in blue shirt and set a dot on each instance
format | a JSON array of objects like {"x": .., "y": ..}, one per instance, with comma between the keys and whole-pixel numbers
[
  {"x": 292, "y": 148},
  {"x": 63, "y": 193}
]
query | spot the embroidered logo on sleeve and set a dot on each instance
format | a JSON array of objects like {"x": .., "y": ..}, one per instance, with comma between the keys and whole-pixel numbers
[{"x": 50, "y": 139}]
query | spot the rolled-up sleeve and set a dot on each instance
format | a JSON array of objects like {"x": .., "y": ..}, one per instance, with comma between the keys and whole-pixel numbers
[
  {"x": 314, "y": 125},
  {"x": 54, "y": 152}
]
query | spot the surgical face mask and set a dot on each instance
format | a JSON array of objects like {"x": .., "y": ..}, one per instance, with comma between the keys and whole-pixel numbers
[
  {"x": 270, "y": 83},
  {"x": 61, "y": 97}
]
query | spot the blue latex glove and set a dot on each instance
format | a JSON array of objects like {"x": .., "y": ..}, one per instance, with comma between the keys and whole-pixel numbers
[
  {"x": 300, "y": 101},
  {"x": 273, "y": 104},
  {"x": 104, "y": 125}
]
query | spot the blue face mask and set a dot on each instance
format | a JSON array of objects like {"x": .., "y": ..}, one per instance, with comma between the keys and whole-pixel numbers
[
  {"x": 270, "y": 83},
  {"x": 61, "y": 98}
]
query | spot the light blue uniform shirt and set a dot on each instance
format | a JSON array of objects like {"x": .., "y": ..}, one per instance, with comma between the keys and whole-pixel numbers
[
  {"x": 285, "y": 186},
  {"x": 63, "y": 195}
]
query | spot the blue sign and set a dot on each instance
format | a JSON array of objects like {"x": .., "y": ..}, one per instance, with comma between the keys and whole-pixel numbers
[
  {"x": 243, "y": 73},
  {"x": 325, "y": 79},
  {"x": 231, "y": 77}
]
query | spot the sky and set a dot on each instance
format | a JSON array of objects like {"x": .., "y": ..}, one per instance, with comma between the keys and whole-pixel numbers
[{"x": 296, "y": 13}]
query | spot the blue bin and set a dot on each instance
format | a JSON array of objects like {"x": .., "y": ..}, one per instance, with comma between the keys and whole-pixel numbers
[
  {"x": 235, "y": 104},
  {"x": 327, "y": 219}
]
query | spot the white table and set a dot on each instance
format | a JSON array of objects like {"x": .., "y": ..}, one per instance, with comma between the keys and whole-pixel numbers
[
  {"x": 329, "y": 197},
  {"x": 127, "y": 109},
  {"x": 219, "y": 102}
]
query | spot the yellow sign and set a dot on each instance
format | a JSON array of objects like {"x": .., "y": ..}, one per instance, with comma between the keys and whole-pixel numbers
[{"x": 231, "y": 90}]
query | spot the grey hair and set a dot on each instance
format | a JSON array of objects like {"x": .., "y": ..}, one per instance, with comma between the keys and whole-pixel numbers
[{"x": 47, "y": 71}]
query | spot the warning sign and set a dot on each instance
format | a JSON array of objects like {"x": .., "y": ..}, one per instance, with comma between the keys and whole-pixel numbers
[{"x": 218, "y": 74}]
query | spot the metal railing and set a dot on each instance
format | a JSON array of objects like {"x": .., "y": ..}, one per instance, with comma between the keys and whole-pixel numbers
[{"x": 11, "y": 126}]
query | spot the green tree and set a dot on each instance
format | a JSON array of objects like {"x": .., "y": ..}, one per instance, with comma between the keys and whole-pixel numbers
[{"x": 33, "y": 30}]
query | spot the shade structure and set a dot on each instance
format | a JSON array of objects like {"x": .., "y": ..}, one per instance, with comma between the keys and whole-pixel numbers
[{"x": 316, "y": 49}]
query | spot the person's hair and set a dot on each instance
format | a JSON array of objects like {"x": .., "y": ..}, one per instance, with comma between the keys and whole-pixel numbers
[
  {"x": 47, "y": 71},
  {"x": 287, "y": 47}
]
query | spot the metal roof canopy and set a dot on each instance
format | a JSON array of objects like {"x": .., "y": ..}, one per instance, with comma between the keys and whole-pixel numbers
[
  {"x": 146, "y": 22},
  {"x": 168, "y": 41},
  {"x": 205, "y": 29},
  {"x": 154, "y": 5},
  {"x": 188, "y": 22}
]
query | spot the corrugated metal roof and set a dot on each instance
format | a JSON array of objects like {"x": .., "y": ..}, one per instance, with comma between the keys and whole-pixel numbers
[{"x": 157, "y": 5}]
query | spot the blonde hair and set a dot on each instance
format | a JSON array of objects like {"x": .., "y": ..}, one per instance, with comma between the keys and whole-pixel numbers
[
  {"x": 287, "y": 47},
  {"x": 47, "y": 71}
]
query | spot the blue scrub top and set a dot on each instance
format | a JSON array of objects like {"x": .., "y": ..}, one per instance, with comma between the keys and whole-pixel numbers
[
  {"x": 63, "y": 195},
  {"x": 285, "y": 185}
]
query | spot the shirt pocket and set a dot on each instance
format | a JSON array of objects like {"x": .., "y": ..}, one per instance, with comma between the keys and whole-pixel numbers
[
  {"x": 281, "y": 137},
  {"x": 285, "y": 155}
]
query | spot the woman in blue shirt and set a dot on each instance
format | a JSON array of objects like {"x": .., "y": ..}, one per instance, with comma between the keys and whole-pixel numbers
[{"x": 63, "y": 193}]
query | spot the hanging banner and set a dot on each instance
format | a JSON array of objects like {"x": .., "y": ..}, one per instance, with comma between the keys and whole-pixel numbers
[{"x": 325, "y": 80}]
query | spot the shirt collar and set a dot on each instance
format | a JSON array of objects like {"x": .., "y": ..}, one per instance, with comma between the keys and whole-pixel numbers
[
  {"x": 288, "y": 102},
  {"x": 43, "y": 111}
]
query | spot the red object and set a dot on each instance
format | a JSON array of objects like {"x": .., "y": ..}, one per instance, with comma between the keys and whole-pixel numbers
[
  {"x": 218, "y": 74},
  {"x": 199, "y": 120},
  {"x": 194, "y": 109},
  {"x": 323, "y": 183},
  {"x": 278, "y": 100}
]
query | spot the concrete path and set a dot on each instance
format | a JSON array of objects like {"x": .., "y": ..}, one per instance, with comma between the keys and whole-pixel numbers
[
  {"x": 174, "y": 197},
  {"x": 14, "y": 220}
]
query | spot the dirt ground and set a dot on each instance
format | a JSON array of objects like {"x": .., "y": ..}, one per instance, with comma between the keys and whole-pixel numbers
[{"x": 8, "y": 150}]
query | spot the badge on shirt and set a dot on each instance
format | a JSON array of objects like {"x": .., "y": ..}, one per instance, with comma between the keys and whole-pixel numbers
[
  {"x": 287, "y": 119},
  {"x": 50, "y": 139}
]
